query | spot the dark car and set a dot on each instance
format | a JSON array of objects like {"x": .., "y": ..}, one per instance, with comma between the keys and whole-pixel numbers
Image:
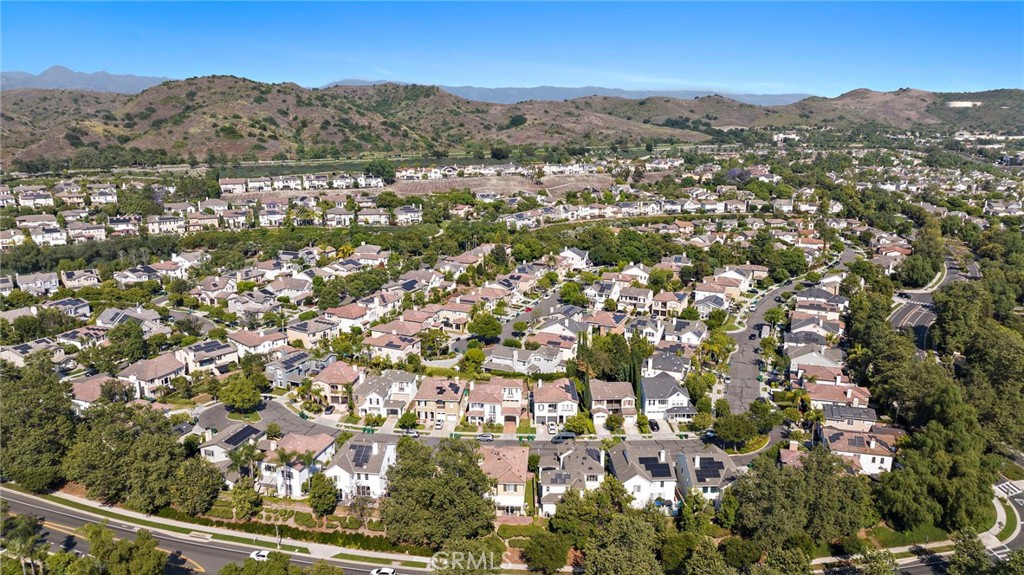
[
  {"x": 329, "y": 409},
  {"x": 752, "y": 337},
  {"x": 903, "y": 295},
  {"x": 654, "y": 425}
]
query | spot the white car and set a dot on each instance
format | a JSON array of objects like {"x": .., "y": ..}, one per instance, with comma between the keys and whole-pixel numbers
[
  {"x": 384, "y": 571},
  {"x": 260, "y": 555},
  {"x": 438, "y": 423},
  {"x": 552, "y": 428}
]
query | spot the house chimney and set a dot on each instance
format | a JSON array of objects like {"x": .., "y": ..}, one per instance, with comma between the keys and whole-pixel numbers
[
  {"x": 471, "y": 382},
  {"x": 872, "y": 443},
  {"x": 376, "y": 447},
  {"x": 696, "y": 462},
  {"x": 794, "y": 445},
  {"x": 849, "y": 392},
  {"x": 661, "y": 456},
  {"x": 273, "y": 445},
  {"x": 600, "y": 456}
]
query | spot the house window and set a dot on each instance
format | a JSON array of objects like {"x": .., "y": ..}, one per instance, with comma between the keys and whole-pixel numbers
[{"x": 592, "y": 479}]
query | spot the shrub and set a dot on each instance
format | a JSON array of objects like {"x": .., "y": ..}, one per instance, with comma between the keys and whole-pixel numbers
[
  {"x": 375, "y": 525},
  {"x": 303, "y": 519}
]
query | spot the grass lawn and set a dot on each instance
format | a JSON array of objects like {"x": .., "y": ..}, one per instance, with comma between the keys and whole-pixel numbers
[
  {"x": 730, "y": 324},
  {"x": 351, "y": 419},
  {"x": 156, "y": 525},
  {"x": 750, "y": 446},
  {"x": 1011, "y": 521},
  {"x": 278, "y": 391},
  {"x": 246, "y": 417},
  {"x": 886, "y": 537},
  {"x": 934, "y": 550},
  {"x": 529, "y": 497},
  {"x": 1012, "y": 471}
]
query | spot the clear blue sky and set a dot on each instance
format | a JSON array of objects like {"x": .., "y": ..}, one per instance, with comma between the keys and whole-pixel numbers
[{"x": 818, "y": 48}]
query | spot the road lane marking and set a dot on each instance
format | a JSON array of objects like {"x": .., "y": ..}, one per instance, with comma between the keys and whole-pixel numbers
[{"x": 71, "y": 531}]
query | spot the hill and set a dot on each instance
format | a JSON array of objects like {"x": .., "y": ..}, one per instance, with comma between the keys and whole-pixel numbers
[
  {"x": 61, "y": 78},
  {"x": 242, "y": 118}
]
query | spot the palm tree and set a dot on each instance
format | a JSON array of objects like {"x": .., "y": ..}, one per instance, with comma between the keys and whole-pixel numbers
[
  {"x": 307, "y": 459},
  {"x": 23, "y": 540}
]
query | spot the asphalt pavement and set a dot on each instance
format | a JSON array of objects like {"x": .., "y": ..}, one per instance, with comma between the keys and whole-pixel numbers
[
  {"x": 915, "y": 314},
  {"x": 188, "y": 555}
]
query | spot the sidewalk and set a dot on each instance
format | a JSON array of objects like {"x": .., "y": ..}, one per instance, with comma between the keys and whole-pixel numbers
[{"x": 316, "y": 550}]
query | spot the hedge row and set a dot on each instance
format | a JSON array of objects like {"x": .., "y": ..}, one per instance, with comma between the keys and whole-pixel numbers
[
  {"x": 346, "y": 521},
  {"x": 510, "y": 531},
  {"x": 339, "y": 538}
]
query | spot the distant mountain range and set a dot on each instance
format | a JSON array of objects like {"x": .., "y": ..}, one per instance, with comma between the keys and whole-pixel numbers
[
  {"x": 62, "y": 78},
  {"x": 555, "y": 93},
  {"x": 242, "y": 118},
  {"x": 59, "y": 77}
]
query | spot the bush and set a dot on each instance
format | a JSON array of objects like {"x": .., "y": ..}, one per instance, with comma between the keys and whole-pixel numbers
[
  {"x": 739, "y": 553},
  {"x": 303, "y": 519},
  {"x": 518, "y": 543},
  {"x": 346, "y": 521},
  {"x": 339, "y": 538},
  {"x": 512, "y": 531},
  {"x": 375, "y": 525}
]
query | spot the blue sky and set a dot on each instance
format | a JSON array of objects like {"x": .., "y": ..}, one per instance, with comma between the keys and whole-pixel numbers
[{"x": 762, "y": 47}]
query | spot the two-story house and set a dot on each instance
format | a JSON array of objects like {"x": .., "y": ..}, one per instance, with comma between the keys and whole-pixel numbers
[
  {"x": 507, "y": 467},
  {"x": 440, "y": 398},
  {"x": 360, "y": 467},
  {"x": 554, "y": 402},
  {"x": 612, "y": 397}
]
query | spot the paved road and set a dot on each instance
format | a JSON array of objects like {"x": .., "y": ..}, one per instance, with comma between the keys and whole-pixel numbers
[
  {"x": 744, "y": 388},
  {"x": 271, "y": 412},
  {"x": 192, "y": 556},
  {"x": 915, "y": 315}
]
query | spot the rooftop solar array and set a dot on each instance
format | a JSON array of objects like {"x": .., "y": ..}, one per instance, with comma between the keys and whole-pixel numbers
[
  {"x": 243, "y": 435},
  {"x": 361, "y": 454},
  {"x": 709, "y": 469},
  {"x": 857, "y": 441},
  {"x": 655, "y": 468}
]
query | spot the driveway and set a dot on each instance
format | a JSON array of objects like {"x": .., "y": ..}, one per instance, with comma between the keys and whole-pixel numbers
[
  {"x": 541, "y": 309},
  {"x": 216, "y": 416}
]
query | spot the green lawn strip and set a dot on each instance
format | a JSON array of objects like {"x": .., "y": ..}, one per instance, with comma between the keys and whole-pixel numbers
[
  {"x": 279, "y": 391},
  {"x": 153, "y": 524},
  {"x": 378, "y": 560},
  {"x": 1010, "y": 524},
  {"x": 247, "y": 417},
  {"x": 887, "y": 537},
  {"x": 931, "y": 550},
  {"x": 1012, "y": 471}
]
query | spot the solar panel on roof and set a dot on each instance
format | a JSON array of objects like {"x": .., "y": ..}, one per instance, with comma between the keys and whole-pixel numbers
[
  {"x": 857, "y": 441},
  {"x": 659, "y": 470},
  {"x": 242, "y": 436},
  {"x": 361, "y": 454}
]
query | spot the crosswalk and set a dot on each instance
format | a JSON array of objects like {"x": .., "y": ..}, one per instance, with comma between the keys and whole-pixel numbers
[
  {"x": 1000, "y": 553},
  {"x": 1008, "y": 488}
]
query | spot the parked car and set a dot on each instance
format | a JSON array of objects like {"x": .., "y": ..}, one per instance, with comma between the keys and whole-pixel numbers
[
  {"x": 384, "y": 571},
  {"x": 653, "y": 424},
  {"x": 903, "y": 295},
  {"x": 329, "y": 410},
  {"x": 412, "y": 433},
  {"x": 752, "y": 337},
  {"x": 563, "y": 436},
  {"x": 485, "y": 437},
  {"x": 438, "y": 423},
  {"x": 260, "y": 555},
  {"x": 552, "y": 428}
]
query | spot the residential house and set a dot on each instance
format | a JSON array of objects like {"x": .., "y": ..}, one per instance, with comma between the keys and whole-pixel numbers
[
  {"x": 78, "y": 279},
  {"x": 395, "y": 348},
  {"x": 645, "y": 469},
  {"x": 517, "y": 360},
  {"x": 288, "y": 475},
  {"x": 867, "y": 452},
  {"x": 440, "y": 398},
  {"x": 705, "y": 470},
  {"x": 72, "y": 306},
  {"x": 149, "y": 375},
  {"x": 498, "y": 401},
  {"x": 661, "y": 397},
  {"x": 40, "y": 284},
  {"x": 334, "y": 381},
  {"x": 507, "y": 466},
  {"x": 249, "y": 342},
  {"x": 207, "y": 355},
  {"x": 612, "y": 397},
  {"x": 567, "y": 466},
  {"x": 311, "y": 332},
  {"x": 360, "y": 468}
]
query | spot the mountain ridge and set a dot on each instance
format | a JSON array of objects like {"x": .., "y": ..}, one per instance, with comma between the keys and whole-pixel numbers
[{"x": 237, "y": 117}]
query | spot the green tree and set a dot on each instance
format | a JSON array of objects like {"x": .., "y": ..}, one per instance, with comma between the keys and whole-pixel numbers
[
  {"x": 128, "y": 341},
  {"x": 735, "y": 429},
  {"x": 124, "y": 556},
  {"x": 625, "y": 546},
  {"x": 578, "y": 424},
  {"x": 408, "y": 420},
  {"x": 739, "y": 553},
  {"x": 244, "y": 498},
  {"x": 153, "y": 462},
  {"x": 436, "y": 494},
  {"x": 705, "y": 560},
  {"x": 571, "y": 293},
  {"x": 381, "y": 168},
  {"x": 546, "y": 553},
  {"x": 323, "y": 495},
  {"x": 959, "y": 308},
  {"x": 520, "y": 327},
  {"x": 36, "y": 422},
  {"x": 273, "y": 431},
  {"x": 775, "y": 315},
  {"x": 969, "y": 556},
  {"x": 485, "y": 326},
  {"x": 784, "y": 562},
  {"x": 876, "y": 563},
  {"x": 434, "y": 343},
  {"x": 196, "y": 485},
  {"x": 240, "y": 394}
]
